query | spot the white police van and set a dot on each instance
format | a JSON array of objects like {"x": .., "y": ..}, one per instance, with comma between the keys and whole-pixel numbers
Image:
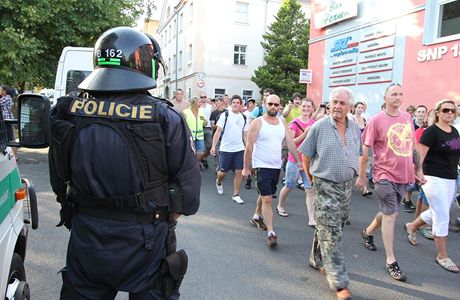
[
  {"x": 75, "y": 64},
  {"x": 18, "y": 202}
]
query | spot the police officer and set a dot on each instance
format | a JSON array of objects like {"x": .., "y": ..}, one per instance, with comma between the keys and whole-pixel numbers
[{"x": 123, "y": 168}]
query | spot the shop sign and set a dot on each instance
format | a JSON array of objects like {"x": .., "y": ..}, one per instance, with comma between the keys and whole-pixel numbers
[
  {"x": 437, "y": 53},
  {"x": 378, "y": 66},
  {"x": 339, "y": 72},
  {"x": 343, "y": 61},
  {"x": 376, "y": 55},
  {"x": 377, "y": 44},
  {"x": 341, "y": 81},
  {"x": 305, "y": 76},
  {"x": 344, "y": 46},
  {"x": 377, "y": 32},
  {"x": 379, "y": 77},
  {"x": 336, "y": 11}
]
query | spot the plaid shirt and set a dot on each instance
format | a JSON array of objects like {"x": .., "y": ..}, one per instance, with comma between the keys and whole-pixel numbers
[
  {"x": 331, "y": 158},
  {"x": 6, "y": 104}
]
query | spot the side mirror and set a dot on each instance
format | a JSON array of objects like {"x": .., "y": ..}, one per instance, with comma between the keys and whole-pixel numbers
[{"x": 33, "y": 114}]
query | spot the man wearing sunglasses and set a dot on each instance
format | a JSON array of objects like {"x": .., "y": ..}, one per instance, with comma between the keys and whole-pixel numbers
[
  {"x": 331, "y": 153},
  {"x": 264, "y": 144},
  {"x": 391, "y": 135}
]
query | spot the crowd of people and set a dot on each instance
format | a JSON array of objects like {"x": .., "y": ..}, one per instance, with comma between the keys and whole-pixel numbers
[{"x": 326, "y": 151}]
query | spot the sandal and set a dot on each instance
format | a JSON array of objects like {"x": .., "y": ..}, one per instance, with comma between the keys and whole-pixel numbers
[
  {"x": 410, "y": 236},
  {"x": 367, "y": 193},
  {"x": 447, "y": 264},
  {"x": 282, "y": 213},
  {"x": 426, "y": 232},
  {"x": 368, "y": 240}
]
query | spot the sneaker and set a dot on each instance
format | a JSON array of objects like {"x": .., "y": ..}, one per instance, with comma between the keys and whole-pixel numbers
[
  {"x": 248, "y": 184},
  {"x": 368, "y": 240},
  {"x": 343, "y": 294},
  {"x": 300, "y": 186},
  {"x": 408, "y": 206},
  {"x": 426, "y": 232},
  {"x": 272, "y": 240},
  {"x": 237, "y": 199},
  {"x": 259, "y": 223},
  {"x": 395, "y": 272},
  {"x": 220, "y": 188},
  {"x": 205, "y": 163}
]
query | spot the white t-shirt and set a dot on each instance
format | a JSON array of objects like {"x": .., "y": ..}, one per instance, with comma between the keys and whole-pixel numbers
[
  {"x": 232, "y": 138},
  {"x": 207, "y": 113}
]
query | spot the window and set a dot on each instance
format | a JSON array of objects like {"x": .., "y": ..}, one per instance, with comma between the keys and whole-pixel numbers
[
  {"x": 189, "y": 93},
  {"x": 449, "y": 18},
  {"x": 442, "y": 21},
  {"x": 241, "y": 15},
  {"x": 247, "y": 94},
  {"x": 74, "y": 78},
  {"x": 179, "y": 62},
  {"x": 174, "y": 64},
  {"x": 169, "y": 66},
  {"x": 181, "y": 21},
  {"x": 219, "y": 93},
  {"x": 175, "y": 28},
  {"x": 190, "y": 13},
  {"x": 239, "y": 55},
  {"x": 189, "y": 54}
]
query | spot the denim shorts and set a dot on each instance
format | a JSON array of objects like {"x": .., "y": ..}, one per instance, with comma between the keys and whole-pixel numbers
[
  {"x": 292, "y": 173},
  {"x": 266, "y": 181},
  {"x": 199, "y": 146},
  {"x": 231, "y": 161},
  {"x": 422, "y": 196}
]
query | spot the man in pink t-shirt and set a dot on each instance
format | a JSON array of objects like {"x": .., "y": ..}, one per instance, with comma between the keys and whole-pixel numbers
[{"x": 391, "y": 135}]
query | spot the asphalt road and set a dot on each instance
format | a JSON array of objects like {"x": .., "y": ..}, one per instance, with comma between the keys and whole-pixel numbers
[{"x": 228, "y": 257}]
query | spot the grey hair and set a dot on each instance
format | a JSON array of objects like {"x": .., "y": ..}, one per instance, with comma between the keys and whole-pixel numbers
[{"x": 339, "y": 89}]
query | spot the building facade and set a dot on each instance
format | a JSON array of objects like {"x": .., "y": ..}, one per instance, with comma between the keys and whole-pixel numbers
[
  {"x": 214, "y": 46},
  {"x": 368, "y": 44}
]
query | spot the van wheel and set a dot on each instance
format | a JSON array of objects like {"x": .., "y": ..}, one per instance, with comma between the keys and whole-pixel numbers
[{"x": 17, "y": 285}]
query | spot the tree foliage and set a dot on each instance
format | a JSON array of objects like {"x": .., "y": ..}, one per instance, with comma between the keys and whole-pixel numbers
[
  {"x": 286, "y": 51},
  {"x": 33, "y": 33}
]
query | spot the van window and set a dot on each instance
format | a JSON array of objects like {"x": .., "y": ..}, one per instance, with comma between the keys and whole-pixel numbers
[
  {"x": 3, "y": 135},
  {"x": 74, "y": 78}
]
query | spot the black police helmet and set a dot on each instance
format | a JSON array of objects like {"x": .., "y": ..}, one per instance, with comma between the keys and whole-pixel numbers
[{"x": 125, "y": 60}]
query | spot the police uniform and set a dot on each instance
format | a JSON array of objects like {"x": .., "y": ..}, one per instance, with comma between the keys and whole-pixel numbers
[{"x": 121, "y": 162}]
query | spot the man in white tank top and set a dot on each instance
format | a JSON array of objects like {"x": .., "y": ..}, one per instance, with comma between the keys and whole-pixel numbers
[{"x": 264, "y": 144}]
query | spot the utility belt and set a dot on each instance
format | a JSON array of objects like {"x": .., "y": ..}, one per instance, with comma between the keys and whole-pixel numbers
[{"x": 157, "y": 216}]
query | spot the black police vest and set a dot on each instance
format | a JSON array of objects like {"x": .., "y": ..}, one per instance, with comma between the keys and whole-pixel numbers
[{"x": 137, "y": 122}]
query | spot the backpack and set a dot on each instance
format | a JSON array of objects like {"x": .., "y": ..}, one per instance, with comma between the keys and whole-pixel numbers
[{"x": 225, "y": 123}]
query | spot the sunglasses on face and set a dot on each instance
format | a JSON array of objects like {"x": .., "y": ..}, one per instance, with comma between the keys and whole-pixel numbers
[
  {"x": 273, "y": 104},
  {"x": 446, "y": 110},
  {"x": 203, "y": 97}
]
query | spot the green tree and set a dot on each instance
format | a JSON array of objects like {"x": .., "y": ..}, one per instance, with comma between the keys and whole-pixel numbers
[
  {"x": 33, "y": 33},
  {"x": 286, "y": 51}
]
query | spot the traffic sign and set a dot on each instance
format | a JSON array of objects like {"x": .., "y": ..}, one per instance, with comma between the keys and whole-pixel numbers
[
  {"x": 305, "y": 76},
  {"x": 200, "y": 83}
]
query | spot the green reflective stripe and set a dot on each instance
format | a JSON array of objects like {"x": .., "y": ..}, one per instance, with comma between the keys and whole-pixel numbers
[
  {"x": 8, "y": 187},
  {"x": 153, "y": 69},
  {"x": 113, "y": 63},
  {"x": 110, "y": 61}
]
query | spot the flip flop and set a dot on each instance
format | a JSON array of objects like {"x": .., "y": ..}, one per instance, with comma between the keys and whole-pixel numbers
[
  {"x": 447, "y": 264},
  {"x": 410, "y": 236},
  {"x": 282, "y": 213}
]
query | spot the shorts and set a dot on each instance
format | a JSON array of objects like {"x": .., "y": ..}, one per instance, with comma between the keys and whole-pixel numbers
[
  {"x": 412, "y": 187},
  {"x": 422, "y": 196},
  {"x": 231, "y": 161},
  {"x": 267, "y": 180},
  {"x": 207, "y": 137},
  {"x": 390, "y": 194},
  {"x": 10, "y": 132},
  {"x": 292, "y": 173},
  {"x": 199, "y": 146}
]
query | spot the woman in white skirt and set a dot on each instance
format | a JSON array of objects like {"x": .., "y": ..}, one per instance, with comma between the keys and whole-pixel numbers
[{"x": 439, "y": 149}]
